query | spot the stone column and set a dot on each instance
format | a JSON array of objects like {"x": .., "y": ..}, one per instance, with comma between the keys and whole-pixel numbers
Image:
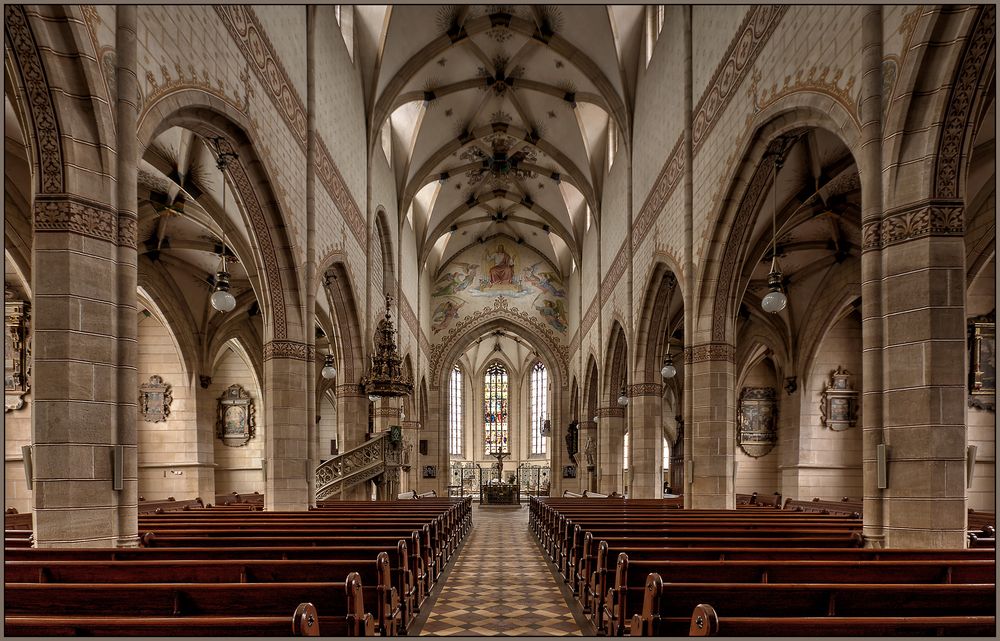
[
  {"x": 311, "y": 367},
  {"x": 872, "y": 327},
  {"x": 690, "y": 305},
  {"x": 712, "y": 430},
  {"x": 437, "y": 443},
  {"x": 206, "y": 411},
  {"x": 127, "y": 113},
  {"x": 84, "y": 369},
  {"x": 588, "y": 472},
  {"x": 411, "y": 444},
  {"x": 286, "y": 425},
  {"x": 352, "y": 416},
  {"x": 611, "y": 435},
  {"x": 646, "y": 441}
]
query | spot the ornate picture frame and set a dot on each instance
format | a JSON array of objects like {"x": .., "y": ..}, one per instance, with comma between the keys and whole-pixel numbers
[
  {"x": 982, "y": 362},
  {"x": 839, "y": 406},
  {"x": 569, "y": 471},
  {"x": 154, "y": 400},
  {"x": 757, "y": 430},
  {"x": 430, "y": 472},
  {"x": 16, "y": 353},
  {"x": 237, "y": 417}
]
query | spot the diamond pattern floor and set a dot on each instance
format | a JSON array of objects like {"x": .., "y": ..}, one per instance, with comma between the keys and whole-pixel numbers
[{"x": 500, "y": 584}]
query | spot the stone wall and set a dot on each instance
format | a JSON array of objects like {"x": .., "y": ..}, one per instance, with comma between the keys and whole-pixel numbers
[
  {"x": 238, "y": 469},
  {"x": 981, "y": 299},
  {"x": 759, "y": 474},
  {"x": 168, "y": 450},
  {"x": 17, "y": 432},
  {"x": 829, "y": 464}
]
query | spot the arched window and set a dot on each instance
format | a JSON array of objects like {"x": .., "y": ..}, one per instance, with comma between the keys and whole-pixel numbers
[
  {"x": 455, "y": 412},
  {"x": 539, "y": 406},
  {"x": 666, "y": 453},
  {"x": 625, "y": 452},
  {"x": 496, "y": 409}
]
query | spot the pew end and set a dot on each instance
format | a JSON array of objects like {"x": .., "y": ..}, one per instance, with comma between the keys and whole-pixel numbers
[
  {"x": 305, "y": 621},
  {"x": 704, "y": 621}
]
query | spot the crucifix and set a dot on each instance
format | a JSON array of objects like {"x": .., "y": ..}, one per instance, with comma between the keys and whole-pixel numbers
[{"x": 500, "y": 456}]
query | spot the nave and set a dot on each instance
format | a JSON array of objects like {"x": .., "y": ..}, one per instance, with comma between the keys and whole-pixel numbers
[{"x": 500, "y": 584}]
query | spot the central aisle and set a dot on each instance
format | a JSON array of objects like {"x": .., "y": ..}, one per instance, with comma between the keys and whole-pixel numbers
[{"x": 500, "y": 584}]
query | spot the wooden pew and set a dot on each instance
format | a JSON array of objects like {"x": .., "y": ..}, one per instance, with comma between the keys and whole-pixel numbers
[
  {"x": 399, "y": 565},
  {"x": 622, "y": 600},
  {"x": 419, "y": 557},
  {"x": 304, "y": 622},
  {"x": 571, "y": 547},
  {"x": 375, "y": 576},
  {"x": 706, "y": 623},
  {"x": 341, "y": 613},
  {"x": 666, "y": 606},
  {"x": 844, "y": 506},
  {"x": 169, "y": 505},
  {"x": 15, "y": 521},
  {"x": 597, "y": 584}
]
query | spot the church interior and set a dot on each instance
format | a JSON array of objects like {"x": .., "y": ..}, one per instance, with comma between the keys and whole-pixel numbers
[{"x": 577, "y": 320}]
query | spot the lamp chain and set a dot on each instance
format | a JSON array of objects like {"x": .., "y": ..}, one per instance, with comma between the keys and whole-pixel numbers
[{"x": 774, "y": 214}]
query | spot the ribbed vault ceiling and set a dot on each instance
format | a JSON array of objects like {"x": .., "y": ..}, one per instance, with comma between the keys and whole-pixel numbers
[{"x": 499, "y": 117}]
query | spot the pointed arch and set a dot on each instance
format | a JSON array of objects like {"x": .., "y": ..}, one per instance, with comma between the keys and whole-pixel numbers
[
  {"x": 347, "y": 333},
  {"x": 266, "y": 224},
  {"x": 775, "y": 130},
  {"x": 616, "y": 364},
  {"x": 662, "y": 315}
]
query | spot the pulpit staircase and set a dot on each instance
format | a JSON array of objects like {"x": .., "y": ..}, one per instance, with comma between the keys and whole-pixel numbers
[{"x": 370, "y": 460}]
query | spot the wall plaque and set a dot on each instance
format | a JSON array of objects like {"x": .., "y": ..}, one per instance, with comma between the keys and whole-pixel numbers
[
  {"x": 237, "y": 420},
  {"x": 839, "y": 407},
  {"x": 16, "y": 354},
  {"x": 983, "y": 362},
  {"x": 154, "y": 400},
  {"x": 758, "y": 427}
]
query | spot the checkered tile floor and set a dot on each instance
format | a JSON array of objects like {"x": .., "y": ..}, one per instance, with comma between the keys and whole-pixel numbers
[{"x": 500, "y": 584}]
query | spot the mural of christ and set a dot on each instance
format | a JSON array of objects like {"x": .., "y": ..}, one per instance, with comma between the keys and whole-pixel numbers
[{"x": 502, "y": 272}]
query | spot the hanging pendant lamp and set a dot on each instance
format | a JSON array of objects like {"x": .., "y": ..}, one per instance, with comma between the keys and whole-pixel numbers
[{"x": 775, "y": 300}]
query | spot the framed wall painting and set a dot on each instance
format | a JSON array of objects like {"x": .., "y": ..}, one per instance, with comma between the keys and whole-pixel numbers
[
  {"x": 983, "y": 362},
  {"x": 237, "y": 421}
]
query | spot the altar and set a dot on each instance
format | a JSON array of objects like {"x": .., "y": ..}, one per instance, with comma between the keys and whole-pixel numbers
[
  {"x": 500, "y": 494},
  {"x": 496, "y": 492}
]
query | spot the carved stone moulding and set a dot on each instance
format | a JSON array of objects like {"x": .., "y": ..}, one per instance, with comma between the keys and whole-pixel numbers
[
  {"x": 237, "y": 421},
  {"x": 154, "y": 400},
  {"x": 839, "y": 406},
  {"x": 16, "y": 353},
  {"x": 758, "y": 426},
  {"x": 983, "y": 362}
]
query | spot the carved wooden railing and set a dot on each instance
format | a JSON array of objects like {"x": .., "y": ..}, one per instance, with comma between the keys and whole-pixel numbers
[{"x": 363, "y": 463}]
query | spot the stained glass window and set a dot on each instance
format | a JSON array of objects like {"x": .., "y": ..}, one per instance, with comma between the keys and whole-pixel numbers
[
  {"x": 455, "y": 412},
  {"x": 539, "y": 406},
  {"x": 496, "y": 408}
]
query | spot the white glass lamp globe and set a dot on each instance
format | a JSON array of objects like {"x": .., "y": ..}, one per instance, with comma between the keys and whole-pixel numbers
[
  {"x": 222, "y": 299},
  {"x": 329, "y": 371},
  {"x": 668, "y": 371},
  {"x": 623, "y": 400},
  {"x": 774, "y": 301}
]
